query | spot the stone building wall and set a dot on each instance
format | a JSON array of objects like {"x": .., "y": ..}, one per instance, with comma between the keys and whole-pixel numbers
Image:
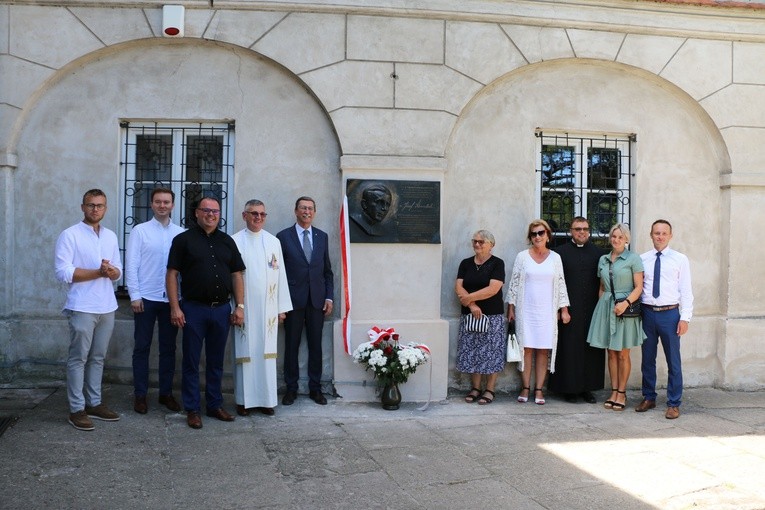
[{"x": 430, "y": 90}]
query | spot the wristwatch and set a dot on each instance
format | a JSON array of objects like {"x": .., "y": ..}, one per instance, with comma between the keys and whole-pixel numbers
[{"x": 240, "y": 305}]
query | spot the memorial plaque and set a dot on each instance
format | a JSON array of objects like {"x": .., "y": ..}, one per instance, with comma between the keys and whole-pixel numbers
[{"x": 383, "y": 211}]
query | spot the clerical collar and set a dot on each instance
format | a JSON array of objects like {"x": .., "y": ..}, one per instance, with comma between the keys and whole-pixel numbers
[{"x": 577, "y": 245}]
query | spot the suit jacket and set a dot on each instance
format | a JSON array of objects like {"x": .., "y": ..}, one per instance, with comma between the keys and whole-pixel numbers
[{"x": 306, "y": 278}]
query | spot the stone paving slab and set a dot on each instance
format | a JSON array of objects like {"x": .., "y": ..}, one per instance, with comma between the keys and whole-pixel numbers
[{"x": 453, "y": 455}]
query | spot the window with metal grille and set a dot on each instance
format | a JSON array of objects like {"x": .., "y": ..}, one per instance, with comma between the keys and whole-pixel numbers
[
  {"x": 195, "y": 160},
  {"x": 588, "y": 176}
]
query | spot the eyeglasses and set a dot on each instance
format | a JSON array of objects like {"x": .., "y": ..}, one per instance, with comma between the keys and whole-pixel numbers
[
  {"x": 581, "y": 229},
  {"x": 256, "y": 214},
  {"x": 305, "y": 208},
  {"x": 206, "y": 210},
  {"x": 97, "y": 207},
  {"x": 538, "y": 233},
  {"x": 479, "y": 242}
]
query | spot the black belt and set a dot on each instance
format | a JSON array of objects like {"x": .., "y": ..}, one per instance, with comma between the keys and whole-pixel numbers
[
  {"x": 662, "y": 308},
  {"x": 211, "y": 304}
]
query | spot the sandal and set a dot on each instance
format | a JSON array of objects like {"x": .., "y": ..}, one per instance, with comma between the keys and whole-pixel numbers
[
  {"x": 539, "y": 401},
  {"x": 526, "y": 398},
  {"x": 485, "y": 400},
  {"x": 620, "y": 407},
  {"x": 609, "y": 404},
  {"x": 473, "y": 395}
]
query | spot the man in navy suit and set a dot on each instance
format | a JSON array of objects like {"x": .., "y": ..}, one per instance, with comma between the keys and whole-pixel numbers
[{"x": 309, "y": 276}]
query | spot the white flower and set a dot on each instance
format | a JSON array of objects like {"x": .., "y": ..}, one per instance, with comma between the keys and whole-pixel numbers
[{"x": 377, "y": 358}]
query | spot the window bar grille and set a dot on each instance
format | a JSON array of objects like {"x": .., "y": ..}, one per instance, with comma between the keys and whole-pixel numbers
[
  {"x": 204, "y": 168},
  {"x": 588, "y": 176}
]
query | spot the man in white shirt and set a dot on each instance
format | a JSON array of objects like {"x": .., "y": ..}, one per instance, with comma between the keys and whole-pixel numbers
[
  {"x": 266, "y": 303},
  {"x": 88, "y": 259},
  {"x": 145, "y": 270},
  {"x": 667, "y": 309}
]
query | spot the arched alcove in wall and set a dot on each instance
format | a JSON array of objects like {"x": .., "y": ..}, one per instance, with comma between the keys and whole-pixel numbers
[
  {"x": 678, "y": 158},
  {"x": 69, "y": 140}
]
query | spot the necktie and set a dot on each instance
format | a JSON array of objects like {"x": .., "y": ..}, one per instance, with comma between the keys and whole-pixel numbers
[
  {"x": 307, "y": 246},
  {"x": 656, "y": 274}
]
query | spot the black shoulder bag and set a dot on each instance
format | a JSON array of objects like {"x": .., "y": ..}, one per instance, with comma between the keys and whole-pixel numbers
[{"x": 633, "y": 310}]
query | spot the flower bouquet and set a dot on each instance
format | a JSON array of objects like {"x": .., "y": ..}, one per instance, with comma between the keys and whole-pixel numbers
[{"x": 391, "y": 362}]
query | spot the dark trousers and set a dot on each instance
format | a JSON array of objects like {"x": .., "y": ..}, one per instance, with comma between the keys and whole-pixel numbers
[
  {"x": 159, "y": 312},
  {"x": 662, "y": 325},
  {"x": 313, "y": 320},
  {"x": 208, "y": 325}
]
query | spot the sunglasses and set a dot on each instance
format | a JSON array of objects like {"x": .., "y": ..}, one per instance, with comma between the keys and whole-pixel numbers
[
  {"x": 478, "y": 241},
  {"x": 538, "y": 233}
]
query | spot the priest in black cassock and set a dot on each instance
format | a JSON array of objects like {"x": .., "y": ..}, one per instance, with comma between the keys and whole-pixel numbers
[{"x": 579, "y": 368}]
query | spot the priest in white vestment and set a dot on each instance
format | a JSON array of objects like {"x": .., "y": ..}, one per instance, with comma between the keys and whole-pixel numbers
[{"x": 266, "y": 302}]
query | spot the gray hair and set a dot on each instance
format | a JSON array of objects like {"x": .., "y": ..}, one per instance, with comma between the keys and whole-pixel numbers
[
  {"x": 252, "y": 203},
  {"x": 486, "y": 236}
]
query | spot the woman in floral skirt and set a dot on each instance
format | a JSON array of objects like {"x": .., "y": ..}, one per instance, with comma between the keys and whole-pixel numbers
[{"x": 479, "y": 289}]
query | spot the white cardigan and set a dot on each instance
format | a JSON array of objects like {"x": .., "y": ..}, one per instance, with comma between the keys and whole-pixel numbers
[{"x": 515, "y": 293}]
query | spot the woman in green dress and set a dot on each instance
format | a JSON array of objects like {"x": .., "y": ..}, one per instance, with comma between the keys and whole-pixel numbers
[{"x": 608, "y": 330}]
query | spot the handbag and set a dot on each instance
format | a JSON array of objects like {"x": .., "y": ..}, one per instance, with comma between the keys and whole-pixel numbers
[
  {"x": 479, "y": 325},
  {"x": 514, "y": 353},
  {"x": 633, "y": 310}
]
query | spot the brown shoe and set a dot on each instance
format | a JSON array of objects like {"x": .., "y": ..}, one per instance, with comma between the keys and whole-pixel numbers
[
  {"x": 220, "y": 414},
  {"x": 194, "y": 420},
  {"x": 80, "y": 421},
  {"x": 241, "y": 411},
  {"x": 672, "y": 413},
  {"x": 169, "y": 402},
  {"x": 101, "y": 412},
  {"x": 139, "y": 405},
  {"x": 268, "y": 411},
  {"x": 645, "y": 405}
]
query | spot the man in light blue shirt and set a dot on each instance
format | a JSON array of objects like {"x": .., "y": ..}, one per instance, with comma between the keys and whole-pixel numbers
[
  {"x": 145, "y": 270},
  {"x": 667, "y": 309},
  {"x": 88, "y": 259}
]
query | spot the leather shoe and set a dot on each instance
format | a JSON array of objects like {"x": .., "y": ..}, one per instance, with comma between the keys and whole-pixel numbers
[
  {"x": 672, "y": 413},
  {"x": 588, "y": 397},
  {"x": 220, "y": 414},
  {"x": 268, "y": 411},
  {"x": 169, "y": 402},
  {"x": 645, "y": 405},
  {"x": 317, "y": 397},
  {"x": 289, "y": 398},
  {"x": 194, "y": 420},
  {"x": 139, "y": 405},
  {"x": 241, "y": 411}
]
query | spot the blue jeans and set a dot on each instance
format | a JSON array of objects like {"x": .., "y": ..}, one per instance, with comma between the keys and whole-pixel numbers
[
  {"x": 209, "y": 326},
  {"x": 89, "y": 340},
  {"x": 662, "y": 325},
  {"x": 159, "y": 312}
]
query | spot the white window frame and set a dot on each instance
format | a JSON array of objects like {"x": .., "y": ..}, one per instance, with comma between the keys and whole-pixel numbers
[{"x": 581, "y": 142}]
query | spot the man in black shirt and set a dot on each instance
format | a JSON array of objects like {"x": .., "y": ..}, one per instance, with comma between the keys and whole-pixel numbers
[{"x": 210, "y": 267}]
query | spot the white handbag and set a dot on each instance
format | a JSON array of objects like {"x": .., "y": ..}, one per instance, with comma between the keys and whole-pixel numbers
[{"x": 514, "y": 351}]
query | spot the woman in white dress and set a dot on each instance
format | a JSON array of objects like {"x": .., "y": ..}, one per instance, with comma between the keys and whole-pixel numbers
[{"x": 536, "y": 295}]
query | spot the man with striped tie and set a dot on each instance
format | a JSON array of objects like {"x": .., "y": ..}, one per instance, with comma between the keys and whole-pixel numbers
[{"x": 310, "y": 281}]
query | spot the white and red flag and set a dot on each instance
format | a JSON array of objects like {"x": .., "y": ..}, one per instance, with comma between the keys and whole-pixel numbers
[{"x": 345, "y": 255}]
